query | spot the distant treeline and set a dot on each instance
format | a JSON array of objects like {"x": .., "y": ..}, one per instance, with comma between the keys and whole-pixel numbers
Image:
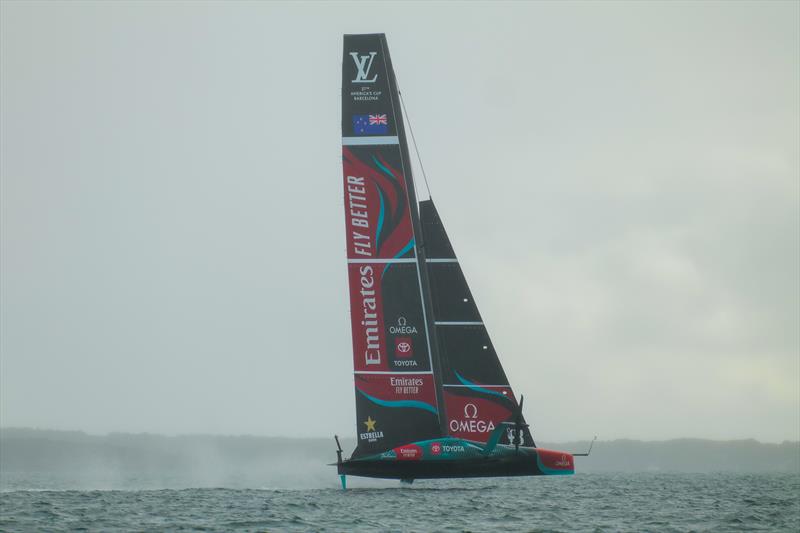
[{"x": 122, "y": 459}]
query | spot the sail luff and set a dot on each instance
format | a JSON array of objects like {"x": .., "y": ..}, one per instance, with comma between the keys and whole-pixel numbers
[{"x": 422, "y": 271}]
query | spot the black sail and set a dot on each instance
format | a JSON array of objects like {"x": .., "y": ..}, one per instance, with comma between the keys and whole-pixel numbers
[
  {"x": 477, "y": 395},
  {"x": 394, "y": 348}
]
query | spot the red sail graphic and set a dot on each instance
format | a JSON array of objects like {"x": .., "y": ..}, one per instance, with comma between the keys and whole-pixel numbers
[
  {"x": 398, "y": 388},
  {"x": 474, "y": 418},
  {"x": 376, "y": 204}
]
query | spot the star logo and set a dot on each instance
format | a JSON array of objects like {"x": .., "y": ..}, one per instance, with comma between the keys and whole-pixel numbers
[{"x": 370, "y": 423}]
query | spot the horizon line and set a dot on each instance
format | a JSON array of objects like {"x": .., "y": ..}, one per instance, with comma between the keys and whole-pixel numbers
[{"x": 264, "y": 436}]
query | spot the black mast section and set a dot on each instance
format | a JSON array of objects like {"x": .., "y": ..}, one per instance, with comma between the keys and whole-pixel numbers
[{"x": 418, "y": 237}]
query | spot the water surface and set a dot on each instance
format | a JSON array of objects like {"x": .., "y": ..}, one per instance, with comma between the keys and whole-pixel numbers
[{"x": 584, "y": 502}]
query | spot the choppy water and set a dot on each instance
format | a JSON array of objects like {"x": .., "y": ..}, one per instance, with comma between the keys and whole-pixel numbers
[{"x": 585, "y": 502}]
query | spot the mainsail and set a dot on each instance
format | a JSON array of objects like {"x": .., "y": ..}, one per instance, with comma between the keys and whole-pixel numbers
[
  {"x": 396, "y": 394},
  {"x": 424, "y": 366}
]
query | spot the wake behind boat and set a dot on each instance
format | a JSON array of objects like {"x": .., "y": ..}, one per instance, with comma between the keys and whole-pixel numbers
[{"x": 432, "y": 399}]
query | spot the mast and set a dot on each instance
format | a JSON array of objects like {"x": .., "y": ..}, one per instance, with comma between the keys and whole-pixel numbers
[{"x": 422, "y": 271}]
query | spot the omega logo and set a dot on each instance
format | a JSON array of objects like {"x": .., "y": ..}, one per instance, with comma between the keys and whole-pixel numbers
[{"x": 470, "y": 411}]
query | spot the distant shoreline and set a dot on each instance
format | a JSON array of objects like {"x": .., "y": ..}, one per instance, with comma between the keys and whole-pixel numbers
[{"x": 200, "y": 458}]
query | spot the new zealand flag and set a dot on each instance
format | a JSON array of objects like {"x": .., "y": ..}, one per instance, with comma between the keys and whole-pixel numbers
[{"x": 370, "y": 124}]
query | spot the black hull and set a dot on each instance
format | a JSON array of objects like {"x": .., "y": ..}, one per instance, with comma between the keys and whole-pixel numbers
[{"x": 485, "y": 467}]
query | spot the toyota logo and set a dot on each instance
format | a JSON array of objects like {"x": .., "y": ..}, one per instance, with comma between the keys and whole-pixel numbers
[{"x": 403, "y": 347}]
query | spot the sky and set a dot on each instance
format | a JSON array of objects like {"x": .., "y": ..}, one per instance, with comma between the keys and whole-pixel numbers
[{"x": 621, "y": 182}]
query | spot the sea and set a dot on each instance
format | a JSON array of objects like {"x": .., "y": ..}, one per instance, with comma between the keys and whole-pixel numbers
[{"x": 651, "y": 501}]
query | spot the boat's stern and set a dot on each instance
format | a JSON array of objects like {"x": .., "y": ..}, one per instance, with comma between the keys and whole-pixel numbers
[{"x": 554, "y": 463}]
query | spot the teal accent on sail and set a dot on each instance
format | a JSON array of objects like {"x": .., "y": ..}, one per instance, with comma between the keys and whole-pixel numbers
[
  {"x": 476, "y": 388},
  {"x": 405, "y": 249},
  {"x": 380, "y": 221},
  {"x": 383, "y": 168},
  {"x": 413, "y": 404},
  {"x": 401, "y": 253}
]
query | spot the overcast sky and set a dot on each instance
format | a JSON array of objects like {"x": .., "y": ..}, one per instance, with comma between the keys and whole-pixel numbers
[{"x": 620, "y": 181}]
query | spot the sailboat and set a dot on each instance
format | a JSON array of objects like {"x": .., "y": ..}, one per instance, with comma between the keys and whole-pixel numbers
[{"x": 432, "y": 399}]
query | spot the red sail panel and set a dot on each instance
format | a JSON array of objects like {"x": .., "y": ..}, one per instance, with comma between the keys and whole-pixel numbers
[
  {"x": 376, "y": 204},
  {"x": 393, "y": 410},
  {"x": 473, "y": 417},
  {"x": 399, "y": 389}
]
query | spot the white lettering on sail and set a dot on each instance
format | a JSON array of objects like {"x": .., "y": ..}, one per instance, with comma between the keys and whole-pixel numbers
[
  {"x": 402, "y": 327},
  {"x": 403, "y": 345},
  {"x": 397, "y": 382},
  {"x": 363, "y": 65},
  {"x": 471, "y": 423},
  {"x": 371, "y": 434},
  {"x": 406, "y": 385},
  {"x": 372, "y": 354},
  {"x": 359, "y": 215},
  {"x": 471, "y": 426}
]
